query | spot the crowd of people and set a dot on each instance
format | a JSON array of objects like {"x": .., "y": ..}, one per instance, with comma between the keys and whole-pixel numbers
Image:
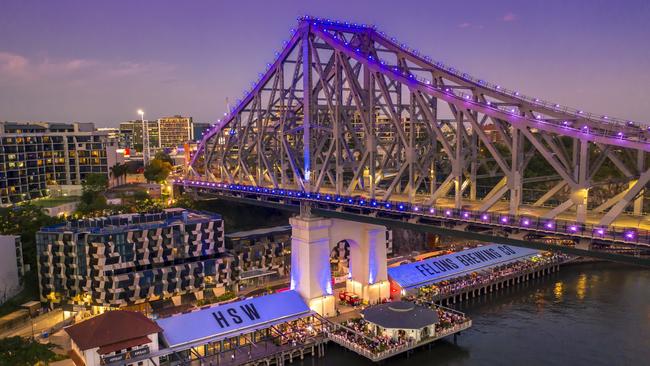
[
  {"x": 449, "y": 319},
  {"x": 357, "y": 331},
  {"x": 485, "y": 277},
  {"x": 295, "y": 334}
]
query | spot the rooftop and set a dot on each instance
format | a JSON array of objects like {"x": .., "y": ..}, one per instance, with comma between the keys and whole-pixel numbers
[
  {"x": 126, "y": 222},
  {"x": 444, "y": 267},
  {"x": 258, "y": 232},
  {"x": 400, "y": 315},
  {"x": 212, "y": 323},
  {"x": 112, "y": 329}
]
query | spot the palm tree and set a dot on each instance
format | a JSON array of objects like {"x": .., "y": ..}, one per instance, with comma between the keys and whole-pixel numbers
[
  {"x": 117, "y": 171},
  {"x": 114, "y": 170}
]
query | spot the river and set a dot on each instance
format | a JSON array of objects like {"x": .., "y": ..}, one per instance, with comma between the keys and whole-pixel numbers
[{"x": 587, "y": 314}]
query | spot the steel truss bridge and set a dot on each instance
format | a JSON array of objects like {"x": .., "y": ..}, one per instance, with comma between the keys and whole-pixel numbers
[{"x": 352, "y": 122}]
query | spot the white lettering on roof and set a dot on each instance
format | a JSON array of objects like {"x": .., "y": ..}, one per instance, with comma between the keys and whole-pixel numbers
[
  {"x": 245, "y": 315},
  {"x": 439, "y": 268}
]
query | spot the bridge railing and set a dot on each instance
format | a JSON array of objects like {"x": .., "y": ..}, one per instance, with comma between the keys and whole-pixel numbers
[{"x": 432, "y": 212}]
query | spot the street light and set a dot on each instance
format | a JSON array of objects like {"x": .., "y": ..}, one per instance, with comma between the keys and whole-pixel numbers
[{"x": 145, "y": 139}]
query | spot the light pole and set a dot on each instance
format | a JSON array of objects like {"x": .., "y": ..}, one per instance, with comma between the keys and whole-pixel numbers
[{"x": 145, "y": 139}]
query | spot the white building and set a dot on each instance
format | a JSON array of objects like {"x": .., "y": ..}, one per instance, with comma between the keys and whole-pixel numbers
[
  {"x": 11, "y": 266},
  {"x": 114, "y": 336}
]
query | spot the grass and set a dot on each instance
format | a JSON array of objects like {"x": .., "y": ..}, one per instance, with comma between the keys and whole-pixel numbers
[
  {"x": 54, "y": 201},
  {"x": 28, "y": 293}
]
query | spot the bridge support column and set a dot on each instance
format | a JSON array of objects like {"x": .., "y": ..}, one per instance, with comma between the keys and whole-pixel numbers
[
  {"x": 368, "y": 270},
  {"x": 638, "y": 202},
  {"x": 311, "y": 276},
  {"x": 584, "y": 244}
]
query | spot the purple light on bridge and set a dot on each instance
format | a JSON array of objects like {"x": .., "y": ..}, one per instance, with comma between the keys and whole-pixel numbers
[
  {"x": 416, "y": 209},
  {"x": 485, "y": 217},
  {"x": 504, "y": 219},
  {"x": 525, "y": 222},
  {"x": 630, "y": 235},
  {"x": 447, "y": 212},
  {"x": 573, "y": 228},
  {"x": 600, "y": 231},
  {"x": 550, "y": 225},
  {"x": 465, "y": 215}
]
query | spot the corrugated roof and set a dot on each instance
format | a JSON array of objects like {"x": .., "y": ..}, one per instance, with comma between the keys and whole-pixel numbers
[
  {"x": 110, "y": 328},
  {"x": 400, "y": 315},
  {"x": 436, "y": 269},
  {"x": 123, "y": 345},
  {"x": 240, "y": 316}
]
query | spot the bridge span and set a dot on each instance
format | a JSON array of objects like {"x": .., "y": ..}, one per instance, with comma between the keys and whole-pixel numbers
[{"x": 353, "y": 123}]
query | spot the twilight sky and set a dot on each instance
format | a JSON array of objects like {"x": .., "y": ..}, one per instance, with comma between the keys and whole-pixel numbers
[{"x": 99, "y": 61}]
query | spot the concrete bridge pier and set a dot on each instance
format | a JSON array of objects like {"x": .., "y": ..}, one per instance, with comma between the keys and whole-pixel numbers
[
  {"x": 311, "y": 275},
  {"x": 312, "y": 240}
]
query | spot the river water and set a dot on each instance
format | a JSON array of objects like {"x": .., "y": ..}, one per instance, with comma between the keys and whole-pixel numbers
[{"x": 587, "y": 314}]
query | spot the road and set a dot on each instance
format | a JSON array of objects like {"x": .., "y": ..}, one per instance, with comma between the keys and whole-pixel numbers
[{"x": 40, "y": 323}]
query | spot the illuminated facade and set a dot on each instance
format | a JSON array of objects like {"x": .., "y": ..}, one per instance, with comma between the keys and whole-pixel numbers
[
  {"x": 36, "y": 155},
  {"x": 123, "y": 260},
  {"x": 131, "y": 135},
  {"x": 174, "y": 131}
]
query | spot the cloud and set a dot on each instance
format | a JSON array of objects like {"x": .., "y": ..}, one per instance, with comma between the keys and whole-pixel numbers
[
  {"x": 509, "y": 17},
  {"x": 22, "y": 69},
  {"x": 464, "y": 25}
]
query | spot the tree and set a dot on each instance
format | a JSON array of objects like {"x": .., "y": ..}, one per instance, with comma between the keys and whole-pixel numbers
[
  {"x": 161, "y": 155},
  {"x": 95, "y": 182},
  {"x": 157, "y": 171},
  {"x": 92, "y": 204},
  {"x": 18, "y": 351},
  {"x": 141, "y": 196},
  {"x": 25, "y": 220},
  {"x": 118, "y": 171},
  {"x": 185, "y": 201}
]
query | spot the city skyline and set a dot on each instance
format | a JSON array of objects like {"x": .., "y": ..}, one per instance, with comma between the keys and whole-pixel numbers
[{"x": 66, "y": 61}]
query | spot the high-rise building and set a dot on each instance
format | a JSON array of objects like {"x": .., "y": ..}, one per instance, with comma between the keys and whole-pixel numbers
[
  {"x": 197, "y": 130},
  {"x": 11, "y": 266},
  {"x": 174, "y": 131},
  {"x": 124, "y": 260},
  {"x": 35, "y": 155},
  {"x": 131, "y": 135}
]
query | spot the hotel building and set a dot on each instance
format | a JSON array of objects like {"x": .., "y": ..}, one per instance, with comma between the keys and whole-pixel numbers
[
  {"x": 174, "y": 131},
  {"x": 35, "y": 155},
  {"x": 124, "y": 260}
]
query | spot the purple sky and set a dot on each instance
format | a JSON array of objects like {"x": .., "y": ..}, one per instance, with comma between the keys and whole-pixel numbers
[{"x": 93, "y": 61}]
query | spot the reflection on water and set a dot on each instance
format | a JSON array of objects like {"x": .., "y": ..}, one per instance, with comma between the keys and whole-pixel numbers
[
  {"x": 581, "y": 287},
  {"x": 587, "y": 314},
  {"x": 558, "y": 290}
]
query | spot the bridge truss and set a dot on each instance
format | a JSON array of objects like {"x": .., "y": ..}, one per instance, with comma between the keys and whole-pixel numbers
[{"x": 346, "y": 110}]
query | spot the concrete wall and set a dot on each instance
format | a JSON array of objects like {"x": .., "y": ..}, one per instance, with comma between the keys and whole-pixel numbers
[{"x": 9, "y": 277}]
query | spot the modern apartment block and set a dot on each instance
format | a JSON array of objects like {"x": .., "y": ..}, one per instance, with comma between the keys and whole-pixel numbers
[
  {"x": 11, "y": 266},
  {"x": 35, "y": 155},
  {"x": 123, "y": 260},
  {"x": 262, "y": 255},
  {"x": 198, "y": 128},
  {"x": 174, "y": 131},
  {"x": 131, "y": 135}
]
